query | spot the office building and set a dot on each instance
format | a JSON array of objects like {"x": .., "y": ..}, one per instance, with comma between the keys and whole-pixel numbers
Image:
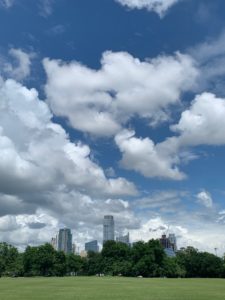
[
  {"x": 83, "y": 253},
  {"x": 169, "y": 252},
  {"x": 124, "y": 239},
  {"x": 173, "y": 241},
  {"x": 92, "y": 246},
  {"x": 164, "y": 241},
  {"x": 108, "y": 229},
  {"x": 74, "y": 249},
  {"x": 169, "y": 244},
  {"x": 65, "y": 240},
  {"x": 54, "y": 242}
]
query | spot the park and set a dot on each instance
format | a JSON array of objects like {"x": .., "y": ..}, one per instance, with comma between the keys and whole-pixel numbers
[{"x": 110, "y": 288}]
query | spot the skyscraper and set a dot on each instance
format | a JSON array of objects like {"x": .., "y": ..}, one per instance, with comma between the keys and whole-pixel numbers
[
  {"x": 108, "y": 229},
  {"x": 173, "y": 241},
  {"x": 92, "y": 246},
  {"x": 124, "y": 239},
  {"x": 169, "y": 244},
  {"x": 65, "y": 240},
  {"x": 54, "y": 242}
]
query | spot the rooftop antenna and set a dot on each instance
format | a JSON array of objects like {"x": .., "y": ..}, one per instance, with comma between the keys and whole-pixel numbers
[
  {"x": 168, "y": 228},
  {"x": 216, "y": 250}
]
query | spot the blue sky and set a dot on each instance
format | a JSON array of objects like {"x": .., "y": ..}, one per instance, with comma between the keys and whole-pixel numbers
[{"x": 112, "y": 107}]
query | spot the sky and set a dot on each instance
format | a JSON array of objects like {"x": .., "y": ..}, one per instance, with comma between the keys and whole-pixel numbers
[{"x": 112, "y": 107}]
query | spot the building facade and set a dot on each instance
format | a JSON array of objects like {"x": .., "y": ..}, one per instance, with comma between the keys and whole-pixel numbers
[
  {"x": 169, "y": 244},
  {"x": 65, "y": 240},
  {"x": 173, "y": 241},
  {"x": 54, "y": 242},
  {"x": 92, "y": 246},
  {"x": 108, "y": 229},
  {"x": 124, "y": 239}
]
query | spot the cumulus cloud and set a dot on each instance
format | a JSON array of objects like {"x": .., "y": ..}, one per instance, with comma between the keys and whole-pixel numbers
[
  {"x": 32, "y": 145},
  {"x": 203, "y": 122},
  {"x": 205, "y": 199},
  {"x": 204, "y": 238},
  {"x": 158, "y": 6},
  {"x": 142, "y": 155},
  {"x": 101, "y": 101},
  {"x": 41, "y": 168},
  {"x": 20, "y": 230},
  {"x": 21, "y": 68}
]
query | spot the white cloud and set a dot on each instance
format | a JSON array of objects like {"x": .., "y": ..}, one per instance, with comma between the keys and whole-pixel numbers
[
  {"x": 31, "y": 147},
  {"x": 40, "y": 168},
  {"x": 143, "y": 156},
  {"x": 204, "y": 238},
  {"x": 210, "y": 57},
  {"x": 158, "y": 6},
  {"x": 162, "y": 201},
  {"x": 203, "y": 123},
  {"x": 46, "y": 7},
  {"x": 101, "y": 101},
  {"x": 205, "y": 199},
  {"x": 21, "y": 69}
]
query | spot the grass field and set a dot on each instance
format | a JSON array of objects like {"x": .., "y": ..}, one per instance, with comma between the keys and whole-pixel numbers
[{"x": 107, "y": 288}]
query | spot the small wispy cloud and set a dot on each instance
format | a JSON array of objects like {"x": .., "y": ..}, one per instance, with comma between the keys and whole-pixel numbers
[
  {"x": 46, "y": 7},
  {"x": 158, "y": 6},
  {"x": 6, "y": 3},
  {"x": 205, "y": 199}
]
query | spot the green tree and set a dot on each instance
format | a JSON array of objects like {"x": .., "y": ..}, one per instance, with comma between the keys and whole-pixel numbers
[
  {"x": 93, "y": 263},
  {"x": 8, "y": 259},
  {"x": 148, "y": 259},
  {"x": 59, "y": 264},
  {"x": 74, "y": 263}
]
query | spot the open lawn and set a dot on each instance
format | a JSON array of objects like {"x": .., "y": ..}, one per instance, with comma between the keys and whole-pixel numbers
[{"x": 107, "y": 288}]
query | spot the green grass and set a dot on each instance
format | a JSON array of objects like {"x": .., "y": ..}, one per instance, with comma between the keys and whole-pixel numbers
[{"x": 107, "y": 288}]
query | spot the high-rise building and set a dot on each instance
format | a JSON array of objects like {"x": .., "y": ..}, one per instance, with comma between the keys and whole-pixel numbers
[
  {"x": 92, "y": 246},
  {"x": 54, "y": 242},
  {"x": 74, "y": 249},
  {"x": 169, "y": 244},
  {"x": 65, "y": 240},
  {"x": 165, "y": 242},
  {"x": 173, "y": 241},
  {"x": 124, "y": 239},
  {"x": 83, "y": 253},
  {"x": 108, "y": 229}
]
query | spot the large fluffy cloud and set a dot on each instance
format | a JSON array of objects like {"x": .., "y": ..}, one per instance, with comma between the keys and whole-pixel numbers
[
  {"x": 204, "y": 238},
  {"x": 41, "y": 168},
  {"x": 202, "y": 123},
  {"x": 32, "y": 147},
  {"x": 101, "y": 101},
  {"x": 143, "y": 156},
  {"x": 159, "y": 6}
]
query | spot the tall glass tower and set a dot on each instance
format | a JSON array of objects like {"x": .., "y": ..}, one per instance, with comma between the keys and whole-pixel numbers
[
  {"x": 108, "y": 229},
  {"x": 65, "y": 240}
]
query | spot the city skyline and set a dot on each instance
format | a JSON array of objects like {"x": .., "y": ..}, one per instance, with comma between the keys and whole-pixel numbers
[
  {"x": 116, "y": 108},
  {"x": 64, "y": 241}
]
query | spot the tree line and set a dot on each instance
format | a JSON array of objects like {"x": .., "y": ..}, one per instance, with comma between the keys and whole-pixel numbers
[{"x": 146, "y": 259}]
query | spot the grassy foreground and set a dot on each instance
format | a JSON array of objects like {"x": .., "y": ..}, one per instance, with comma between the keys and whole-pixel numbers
[{"x": 107, "y": 288}]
